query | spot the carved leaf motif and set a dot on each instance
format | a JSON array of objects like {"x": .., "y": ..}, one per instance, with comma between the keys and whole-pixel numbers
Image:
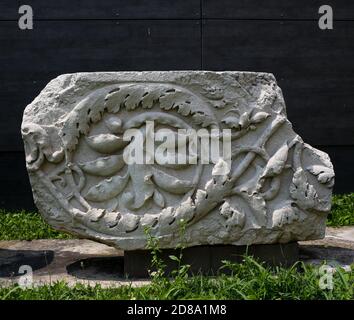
[
  {"x": 277, "y": 162},
  {"x": 134, "y": 98},
  {"x": 131, "y": 96},
  {"x": 221, "y": 168},
  {"x": 225, "y": 210},
  {"x": 149, "y": 220},
  {"x": 220, "y": 104},
  {"x": 213, "y": 92},
  {"x": 114, "y": 99},
  {"x": 41, "y": 141},
  {"x": 231, "y": 122},
  {"x": 285, "y": 215},
  {"x": 142, "y": 185},
  {"x": 301, "y": 191},
  {"x": 234, "y": 217},
  {"x": 107, "y": 189},
  {"x": 167, "y": 217},
  {"x": 171, "y": 184},
  {"x": 104, "y": 166},
  {"x": 258, "y": 204},
  {"x": 186, "y": 211},
  {"x": 106, "y": 143},
  {"x": 185, "y": 110},
  {"x": 159, "y": 199},
  {"x": 199, "y": 197},
  {"x": 112, "y": 218},
  {"x": 203, "y": 119},
  {"x": 244, "y": 120},
  {"x": 87, "y": 111},
  {"x": 174, "y": 99},
  {"x": 129, "y": 222},
  {"x": 184, "y": 103},
  {"x": 259, "y": 117},
  {"x": 95, "y": 214},
  {"x": 324, "y": 174},
  {"x": 149, "y": 98}
]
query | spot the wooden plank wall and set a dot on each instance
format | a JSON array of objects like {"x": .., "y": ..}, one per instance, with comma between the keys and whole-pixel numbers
[{"x": 315, "y": 68}]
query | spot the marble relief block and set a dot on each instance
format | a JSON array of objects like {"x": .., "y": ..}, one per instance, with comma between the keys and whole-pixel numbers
[{"x": 271, "y": 187}]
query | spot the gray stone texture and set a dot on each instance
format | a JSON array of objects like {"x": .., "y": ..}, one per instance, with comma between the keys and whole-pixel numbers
[{"x": 278, "y": 190}]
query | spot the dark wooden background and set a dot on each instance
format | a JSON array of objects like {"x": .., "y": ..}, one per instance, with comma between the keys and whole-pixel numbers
[{"x": 315, "y": 68}]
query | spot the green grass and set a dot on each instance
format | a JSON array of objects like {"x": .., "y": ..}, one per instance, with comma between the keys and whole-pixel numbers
[
  {"x": 26, "y": 226},
  {"x": 249, "y": 280},
  {"x": 342, "y": 213},
  {"x": 30, "y": 226}
]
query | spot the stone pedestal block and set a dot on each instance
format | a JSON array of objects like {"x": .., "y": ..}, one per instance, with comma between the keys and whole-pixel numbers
[{"x": 208, "y": 260}]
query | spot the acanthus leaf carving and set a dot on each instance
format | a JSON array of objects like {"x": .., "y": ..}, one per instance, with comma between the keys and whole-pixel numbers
[
  {"x": 302, "y": 191},
  {"x": 324, "y": 174},
  {"x": 286, "y": 214},
  {"x": 234, "y": 217}
]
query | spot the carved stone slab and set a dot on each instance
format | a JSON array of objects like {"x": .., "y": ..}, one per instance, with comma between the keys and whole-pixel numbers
[{"x": 278, "y": 188}]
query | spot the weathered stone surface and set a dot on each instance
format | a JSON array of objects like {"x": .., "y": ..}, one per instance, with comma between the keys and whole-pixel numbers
[{"x": 278, "y": 189}]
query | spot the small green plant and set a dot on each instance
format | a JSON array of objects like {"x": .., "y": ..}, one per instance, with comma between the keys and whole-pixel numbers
[
  {"x": 181, "y": 270},
  {"x": 157, "y": 263},
  {"x": 158, "y": 266},
  {"x": 180, "y": 275},
  {"x": 177, "y": 279}
]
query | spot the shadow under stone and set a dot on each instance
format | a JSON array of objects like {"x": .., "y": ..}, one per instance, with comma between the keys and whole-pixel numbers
[
  {"x": 105, "y": 268},
  {"x": 320, "y": 252},
  {"x": 12, "y": 260},
  {"x": 206, "y": 260}
]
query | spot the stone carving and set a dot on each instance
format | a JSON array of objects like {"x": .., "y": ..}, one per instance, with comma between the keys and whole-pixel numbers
[{"x": 278, "y": 188}]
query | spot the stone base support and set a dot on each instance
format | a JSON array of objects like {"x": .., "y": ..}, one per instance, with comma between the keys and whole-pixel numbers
[{"x": 208, "y": 259}]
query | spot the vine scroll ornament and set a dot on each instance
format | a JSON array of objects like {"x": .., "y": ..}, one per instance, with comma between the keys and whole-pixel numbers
[{"x": 278, "y": 188}]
